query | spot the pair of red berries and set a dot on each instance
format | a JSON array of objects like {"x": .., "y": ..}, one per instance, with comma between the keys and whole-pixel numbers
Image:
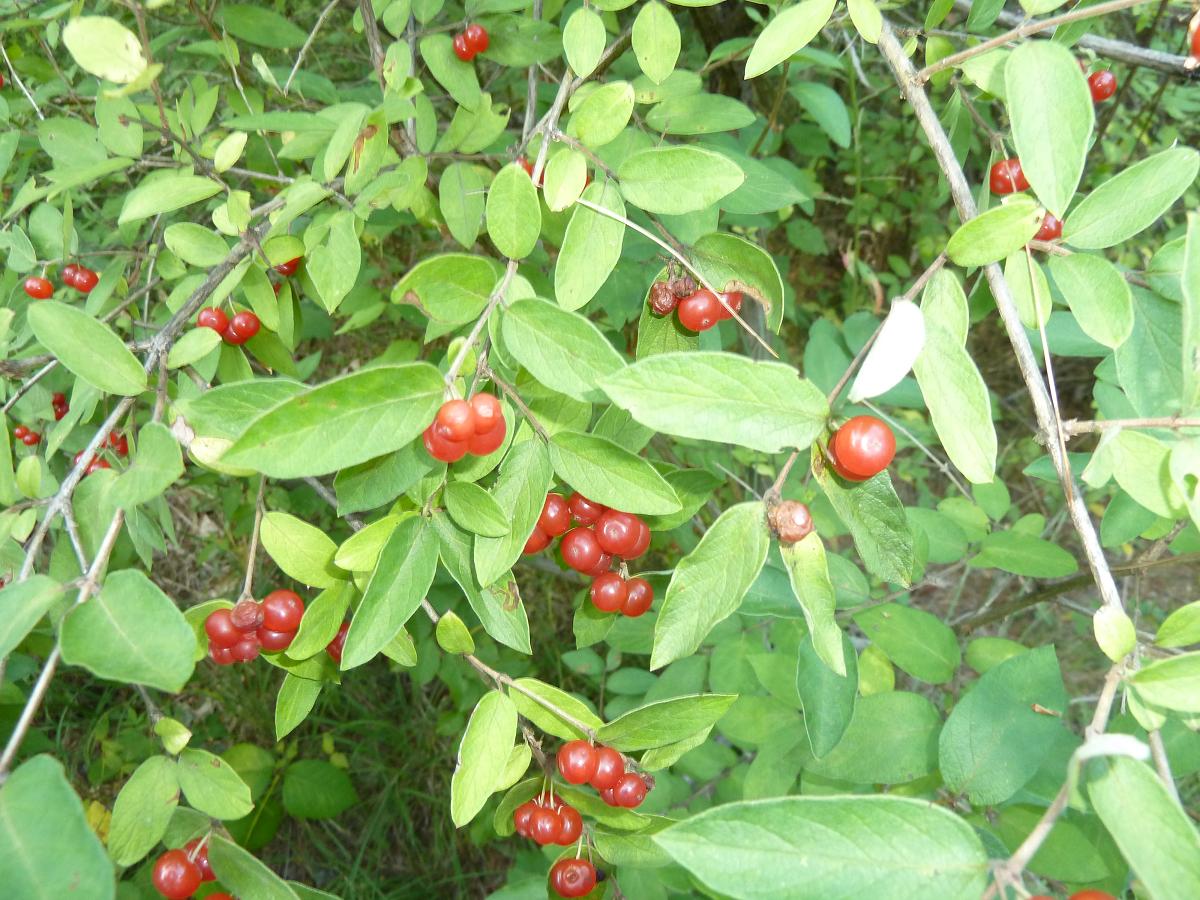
[
  {"x": 96, "y": 462},
  {"x": 1102, "y": 85},
  {"x": 237, "y": 635},
  {"x": 604, "y": 769},
  {"x": 472, "y": 41},
  {"x": 81, "y": 278},
  {"x": 611, "y": 593},
  {"x": 698, "y": 311},
  {"x": 117, "y": 442},
  {"x": 179, "y": 873},
  {"x": 27, "y": 437},
  {"x": 335, "y": 647},
  {"x": 862, "y": 448},
  {"x": 462, "y": 427},
  {"x": 573, "y": 877},
  {"x": 60, "y": 406},
  {"x": 236, "y": 331},
  {"x": 546, "y": 822}
]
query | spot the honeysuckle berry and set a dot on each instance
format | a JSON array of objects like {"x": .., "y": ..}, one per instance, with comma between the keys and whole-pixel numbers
[
  {"x": 1102, "y": 85},
  {"x": 864, "y": 446},
  {"x": 38, "y": 288},
  {"x": 1007, "y": 177},
  {"x": 791, "y": 521}
]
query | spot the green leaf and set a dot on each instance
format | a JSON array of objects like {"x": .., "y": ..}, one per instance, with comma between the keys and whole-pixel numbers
[
  {"x": 583, "y": 41},
  {"x": 787, "y": 33},
  {"x": 105, "y": 48},
  {"x": 610, "y": 475},
  {"x": 876, "y": 519},
  {"x": 520, "y": 491},
  {"x": 1052, "y": 115},
  {"x": 1024, "y": 554},
  {"x": 1172, "y": 683},
  {"x": 239, "y": 871},
  {"x": 917, "y": 641},
  {"x": 143, "y": 810},
  {"x": 333, "y": 266},
  {"x": 1180, "y": 628},
  {"x": 699, "y": 114},
  {"x": 721, "y": 397},
  {"x": 827, "y": 698},
  {"x": 867, "y": 19},
  {"x": 1098, "y": 295},
  {"x": 456, "y": 76},
  {"x": 453, "y": 636},
  {"x": 1189, "y": 279},
  {"x": 514, "y": 216},
  {"x": 295, "y": 701},
  {"x": 261, "y": 26},
  {"x": 709, "y": 583},
  {"x": 891, "y": 739},
  {"x": 591, "y": 247},
  {"x": 566, "y": 177},
  {"x": 994, "y": 234},
  {"x": 1114, "y": 631},
  {"x": 195, "y": 244},
  {"x": 212, "y": 786},
  {"x": 130, "y": 632},
  {"x": 561, "y": 349},
  {"x": 316, "y": 789},
  {"x": 545, "y": 719},
  {"x": 826, "y": 106},
  {"x": 165, "y": 194},
  {"x": 808, "y": 571},
  {"x": 87, "y": 347},
  {"x": 22, "y": 605},
  {"x": 302, "y": 551},
  {"x": 451, "y": 289},
  {"x": 1131, "y": 201},
  {"x": 603, "y": 114},
  {"x": 482, "y": 755},
  {"x": 227, "y": 410},
  {"x": 665, "y": 722},
  {"x": 732, "y": 263},
  {"x": 994, "y": 740},
  {"x": 1030, "y": 289},
  {"x": 1153, "y": 832},
  {"x": 656, "y": 41},
  {"x": 157, "y": 465},
  {"x": 473, "y": 508},
  {"x": 193, "y": 347},
  {"x": 397, "y": 587},
  {"x": 48, "y": 850},
  {"x": 347, "y": 420},
  {"x": 870, "y": 846},
  {"x": 462, "y": 192},
  {"x": 677, "y": 180}
]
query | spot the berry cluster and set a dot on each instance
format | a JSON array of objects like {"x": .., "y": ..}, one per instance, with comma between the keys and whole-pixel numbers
[
  {"x": 573, "y": 877},
  {"x": 335, "y": 647},
  {"x": 791, "y": 521},
  {"x": 699, "y": 309},
  {"x": 604, "y": 769},
  {"x": 546, "y": 821},
  {"x": 60, "y": 405},
  {"x": 862, "y": 448},
  {"x": 27, "y": 437},
  {"x": 237, "y": 635},
  {"x": 236, "y": 331},
  {"x": 179, "y": 873},
  {"x": 81, "y": 278},
  {"x": 472, "y": 41},
  {"x": 460, "y": 428}
]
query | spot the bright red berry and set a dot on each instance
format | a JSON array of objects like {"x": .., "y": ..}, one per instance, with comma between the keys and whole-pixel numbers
[
  {"x": 700, "y": 311},
  {"x": 455, "y": 421},
  {"x": 521, "y": 816},
  {"x": 583, "y": 510},
  {"x": 842, "y": 471},
  {"x": 462, "y": 49},
  {"x": 246, "y": 616},
  {"x": 617, "y": 532},
  {"x": 642, "y": 544},
  {"x": 211, "y": 317},
  {"x": 198, "y": 853},
  {"x": 609, "y": 796},
  {"x": 222, "y": 656},
  {"x": 734, "y": 299},
  {"x": 572, "y": 877},
  {"x": 246, "y": 649},
  {"x": 282, "y": 610},
  {"x": 97, "y": 464},
  {"x": 477, "y": 37},
  {"x": 289, "y": 267},
  {"x": 1092, "y": 894},
  {"x": 538, "y": 541},
  {"x": 220, "y": 629},
  {"x": 60, "y": 410},
  {"x": 610, "y": 766},
  {"x": 544, "y": 825},
  {"x": 489, "y": 441},
  {"x": 864, "y": 446},
  {"x": 1051, "y": 229},
  {"x": 577, "y": 761},
  {"x": 242, "y": 327},
  {"x": 335, "y": 647},
  {"x": 609, "y": 592},
  {"x": 85, "y": 280},
  {"x": 555, "y": 518},
  {"x": 38, "y": 288},
  {"x": 580, "y": 550},
  {"x": 175, "y": 876},
  {"x": 603, "y": 564},
  {"x": 1102, "y": 84},
  {"x": 791, "y": 521},
  {"x": 570, "y": 826},
  {"x": 1196, "y": 42},
  {"x": 32, "y": 439},
  {"x": 630, "y": 790},
  {"x": 489, "y": 414},
  {"x": 58, "y": 398},
  {"x": 1007, "y": 177},
  {"x": 69, "y": 272},
  {"x": 441, "y": 449},
  {"x": 20, "y": 431},
  {"x": 638, "y": 597},
  {"x": 274, "y": 641}
]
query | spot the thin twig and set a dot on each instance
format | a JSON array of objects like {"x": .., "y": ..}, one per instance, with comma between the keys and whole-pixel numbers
[
  {"x": 774, "y": 114},
  {"x": 308, "y": 43},
  {"x": 1073, "y": 427},
  {"x": 512, "y": 395},
  {"x": 17, "y": 78},
  {"x": 248, "y": 582},
  {"x": 1159, "y": 753}
]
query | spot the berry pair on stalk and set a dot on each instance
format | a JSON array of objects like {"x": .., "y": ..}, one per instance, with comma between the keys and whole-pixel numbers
[
  {"x": 81, "y": 278},
  {"x": 470, "y": 42},
  {"x": 27, "y": 437},
  {"x": 861, "y": 448},
  {"x": 236, "y": 331},
  {"x": 60, "y": 405},
  {"x": 604, "y": 769},
  {"x": 546, "y": 820},
  {"x": 179, "y": 873},
  {"x": 237, "y": 635},
  {"x": 460, "y": 427}
]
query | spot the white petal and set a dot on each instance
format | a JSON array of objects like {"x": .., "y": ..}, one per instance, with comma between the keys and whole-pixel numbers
[{"x": 893, "y": 354}]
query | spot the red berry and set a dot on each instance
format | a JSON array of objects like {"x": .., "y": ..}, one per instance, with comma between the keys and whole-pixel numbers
[
  {"x": 246, "y": 649},
  {"x": 334, "y": 648},
  {"x": 700, "y": 311},
  {"x": 609, "y": 593},
  {"x": 864, "y": 446},
  {"x": 583, "y": 510},
  {"x": 544, "y": 825},
  {"x": 242, "y": 327},
  {"x": 222, "y": 656},
  {"x": 455, "y": 421},
  {"x": 211, "y": 317},
  {"x": 282, "y": 610},
  {"x": 1092, "y": 894},
  {"x": 20, "y": 431},
  {"x": 462, "y": 49},
  {"x": 1102, "y": 84},
  {"x": 527, "y": 165},
  {"x": 1051, "y": 229},
  {"x": 618, "y": 532},
  {"x": 274, "y": 641},
  {"x": 69, "y": 273},
  {"x": 580, "y": 550},
  {"x": 603, "y": 564},
  {"x": 521, "y": 816},
  {"x": 734, "y": 299},
  {"x": 791, "y": 521},
  {"x": 609, "y": 796},
  {"x": 1007, "y": 177},
  {"x": 538, "y": 541},
  {"x": 638, "y": 597},
  {"x": 630, "y": 790},
  {"x": 610, "y": 766},
  {"x": 247, "y": 616},
  {"x": 489, "y": 441},
  {"x": 555, "y": 518},
  {"x": 289, "y": 267},
  {"x": 441, "y": 449},
  {"x": 489, "y": 414},
  {"x": 175, "y": 876},
  {"x": 85, "y": 280},
  {"x": 662, "y": 299},
  {"x": 570, "y": 826},
  {"x": 60, "y": 410},
  {"x": 477, "y": 38},
  {"x": 842, "y": 471},
  {"x": 643, "y": 540},
  {"x": 32, "y": 439},
  {"x": 97, "y": 464},
  {"x": 572, "y": 877},
  {"x": 1196, "y": 42},
  {"x": 577, "y": 761},
  {"x": 220, "y": 629},
  {"x": 58, "y": 398},
  {"x": 38, "y": 288},
  {"x": 198, "y": 853}
]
